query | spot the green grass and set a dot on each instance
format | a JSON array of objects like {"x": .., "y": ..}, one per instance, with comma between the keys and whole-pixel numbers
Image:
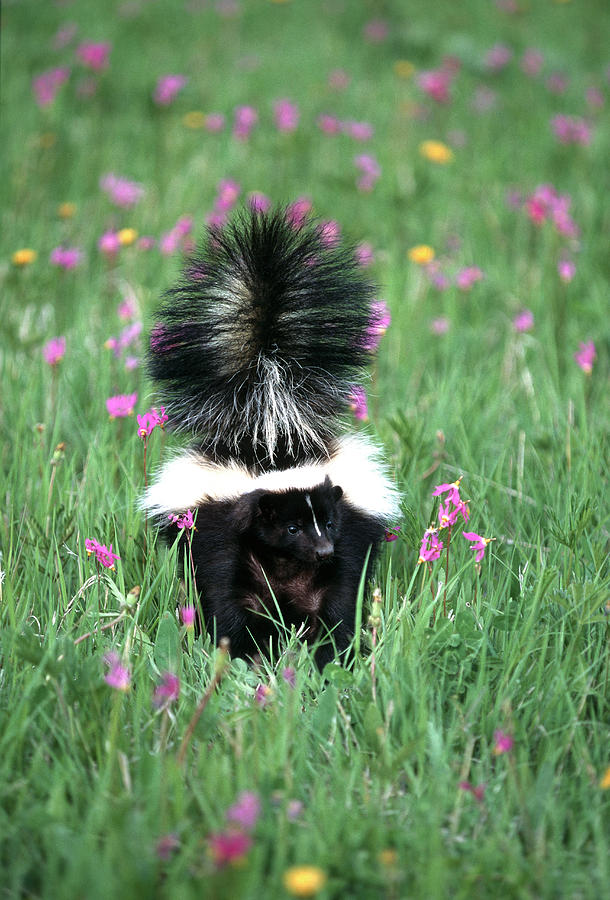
[{"x": 90, "y": 777}]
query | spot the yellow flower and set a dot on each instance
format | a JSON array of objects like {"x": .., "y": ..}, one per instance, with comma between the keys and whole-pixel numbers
[
  {"x": 422, "y": 254},
  {"x": 66, "y": 210},
  {"x": 127, "y": 236},
  {"x": 436, "y": 151},
  {"x": 24, "y": 257},
  {"x": 605, "y": 782},
  {"x": 403, "y": 68},
  {"x": 388, "y": 857},
  {"x": 194, "y": 119},
  {"x": 47, "y": 140},
  {"x": 304, "y": 881}
]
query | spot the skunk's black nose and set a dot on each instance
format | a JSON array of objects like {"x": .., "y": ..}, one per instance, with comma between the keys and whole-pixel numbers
[{"x": 324, "y": 551}]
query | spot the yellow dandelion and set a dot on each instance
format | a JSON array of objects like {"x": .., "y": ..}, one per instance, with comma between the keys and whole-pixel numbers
[
  {"x": 23, "y": 257},
  {"x": 605, "y": 782},
  {"x": 422, "y": 254},
  {"x": 403, "y": 68},
  {"x": 194, "y": 119},
  {"x": 66, "y": 210},
  {"x": 388, "y": 857},
  {"x": 304, "y": 881},
  {"x": 436, "y": 152},
  {"x": 127, "y": 236}
]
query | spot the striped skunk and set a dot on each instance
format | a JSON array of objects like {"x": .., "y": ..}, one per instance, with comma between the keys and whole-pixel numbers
[{"x": 256, "y": 352}]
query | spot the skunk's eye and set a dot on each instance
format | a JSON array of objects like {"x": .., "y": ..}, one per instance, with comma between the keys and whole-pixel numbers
[
  {"x": 330, "y": 524},
  {"x": 293, "y": 529}
]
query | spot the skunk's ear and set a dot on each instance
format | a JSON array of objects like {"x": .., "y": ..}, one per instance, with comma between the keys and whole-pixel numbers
[
  {"x": 337, "y": 492},
  {"x": 243, "y": 512},
  {"x": 267, "y": 506}
]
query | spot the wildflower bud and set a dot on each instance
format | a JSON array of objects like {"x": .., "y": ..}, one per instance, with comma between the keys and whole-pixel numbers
[
  {"x": 58, "y": 453},
  {"x": 222, "y": 661}
]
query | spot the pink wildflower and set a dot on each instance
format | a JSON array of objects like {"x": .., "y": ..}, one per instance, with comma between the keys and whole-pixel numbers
[
  {"x": 503, "y": 742},
  {"x": 447, "y": 517},
  {"x": 121, "y": 406},
  {"x": 557, "y": 83},
  {"x": 66, "y": 257},
  {"x": 46, "y": 85},
  {"x": 358, "y": 404},
  {"x": 376, "y": 31},
  {"x": 146, "y": 242},
  {"x": 290, "y": 676},
  {"x": 359, "y": 131},
  {"x": 467, "y": 277},
  {"x": 131, "y": 363},
  {"x": 227, "y": 193},
  {"x": 338, "y": 80},
  {"x": 298, "y": 210},
  {"x": 378, "y": 324},
  {"x": 64, "y": 35},
  {"x": 109, "y": 244},
  {"x": 452, "y": 490},
  {"x": 532, "y": 61},
  {"x": 498, "y": 57},
  {"x": 187, "y": 615},
  {"x": 594, "y": 98},
  {"x": 329, "y": 232},
  {"x": 286, "y": 115},
  {"x": 566, "y": 269},
  {"x": 371, "y": 170},
  {"x": 439, "y": 326},
  {"x": 184, "y": 521},
  {"x": 391, "y": 534},
  {"x": 54, "y": 350},
  {"x": 585, "y": 356},
  {"x": 436, "y": 83},
  {"x": 294, "y": 808},
  {"x": 246, "y": 118},
  {"x": 149, "y": 421},
  {"x": 168, "y": 691},
  {"x": 121, "y": 191},
  {"x": 365, "y": 254},
  {"x": 430, "y": 546},
  {"x": 571, "y": 130},
  {"x": 168, "y": 86},
  {"x": 245, "y": 811},
  {"x": 166, "y": 846},
  {"x": 329, "y": 124},
  {"x": 127, "y": 308},
  {"x": 214, "y": 122},
  {"x": 478, "y": 543},
  {"x": 259, "y": 202},
  {"x": 524, "y": 321},
  {"x": 94, "y": 55},
  {"x": 103, "y": 555},
  {"x": 118, "y": 675},
  {"x": 229, "y": 846},
  {"x": 263, "y": 695},
  {"x": 477, "y": 792}
]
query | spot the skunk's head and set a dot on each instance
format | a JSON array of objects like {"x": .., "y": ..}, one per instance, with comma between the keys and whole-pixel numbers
[{"x": 301, "y": 525}]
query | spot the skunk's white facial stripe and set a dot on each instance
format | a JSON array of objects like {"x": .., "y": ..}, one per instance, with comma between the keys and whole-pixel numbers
[
  {"x": 189, "y": 479},
  {"x": 313, "y": 515}
]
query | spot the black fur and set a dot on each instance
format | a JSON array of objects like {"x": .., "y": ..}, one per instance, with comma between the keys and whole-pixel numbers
[
  {"x": 260, "y": 558},
  {"x": 263, "y": 296}
]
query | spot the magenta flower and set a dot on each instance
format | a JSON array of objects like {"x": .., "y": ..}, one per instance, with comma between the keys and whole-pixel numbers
[
  {"x": 187, "y": 615},
  {"x": 365, "y": 254},
  {"x": 259, "y": 202},
  {"x": 166, "y": 846},
  {"x": 54, "y": 350},
  {"x": 330, "y": 233},
  {"x": 391, "y": 534},
  {"x": 229, "y": 846},
  {"x": 290, "y": 676},
  {"x": 294, "y": 808},
  {"x": 121, "y": 191},
  {"x": 503, "y": 742},
  {"x": 168, "y": 86},
  {"x": 447, "y": 517},
  {"x": 245, "y": 119},
  {"x": 338, "y": 80},
  {"x": 149, "y": 421},
  {"x": 329, "y": 124},
  {"x": 436, "y": 84},
  {"x": 227, "y": 194},
  {"x": 286, "y": 115},
  {"x": 452, "y": 490},
  {"x": 245, "y": 811},
  {"x": 498, "y": 57},
  {"x": 566, "y": 269},
  {"x": 214, "y": 122},
  {"x": 557, "y": 83},
  {"x": 532, "y": 62},
  {"x": 477, "y": 791},
  {"x": 360, "y": 131},
  {"x": 467, "y": 277},
  {"x": 263, "y": 695},
  {"x": 103, "y": 555},
  {"x": 66, "y": 257},
  {"x": 524, "y": 321},
  {"x": 594, "y": 98},
  {"x": 376, "y": 31},
  {"x": 439, "y": 326},
  {"x": 168, "y": 691},
  {"x": 371, "y": 170},
  {"x": 109, "y": 244},
  {"x": 358, "y": 404},
  {"x": 378, "y": 324},
  {"x": 571, "y": 130},
  {"x": 585, "y": 356},
  {"x": 477, "y": 543},
  {"x": 184, "y": 521},
  {"x": 46, "y": 85},
  {"x": 94, "y": 55},
  {"x": 118, "y": 675},
  {"x": 298, "y": 210},
  {"x": 430, "y": 546},
  {"x": 121, "y": 406}
]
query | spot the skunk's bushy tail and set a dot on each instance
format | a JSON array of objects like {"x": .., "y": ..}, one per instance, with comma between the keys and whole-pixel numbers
[{"x": 257, "y": 348}]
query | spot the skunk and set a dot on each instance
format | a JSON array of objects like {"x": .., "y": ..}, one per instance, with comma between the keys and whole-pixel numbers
[{"x": 256, "y": 352}]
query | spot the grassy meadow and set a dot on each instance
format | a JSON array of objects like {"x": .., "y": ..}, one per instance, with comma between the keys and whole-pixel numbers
[{"x": 463, "y": 147}]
